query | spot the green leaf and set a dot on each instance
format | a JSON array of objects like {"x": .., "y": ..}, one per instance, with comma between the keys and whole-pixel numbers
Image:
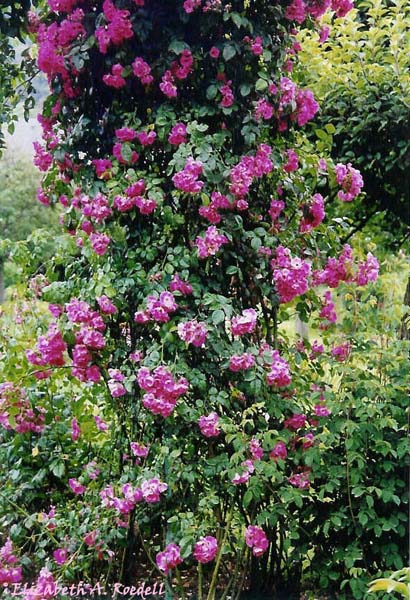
[
  {"x": 218, "y": 316},
  {"x": 247, "y": 499},
  {"x": 228, "y": 52},
  {"x": 211, "y": 92},
  {"x": 261, "y": 85}
]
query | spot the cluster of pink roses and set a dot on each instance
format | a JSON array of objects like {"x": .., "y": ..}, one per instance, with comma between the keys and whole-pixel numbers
[
  {"x": 205, "y": 550},
  {"x": 88, "y": 325},
  {"x": 241, "y": 362},
  {"x": 191, "y": 5},
  {"x": 211, "y": 243},
  {"x": 256, "y": 539},
  {"x": 89, "y": 338},
  {"x": 313, "y": 213},
  {"x": 227, "y": 95},
  {"x": 350, "y": 180},
  {"x": 179, "y": 70},
  {"x": 256, "y": 452},
  {"x": 297, "y": 104},
  {"x": 244, "y": 323},
  {"x": 279, "y": 371},
  {"x": 134, "y": 192},
  {"x": 118, "y": 27},
  {"x": 26, "y": 419},
  {"x": 209, "y": 425},
  {"x": 187, "y": 179},
  {"x": 249, "y": 168},
  {"x": 300, "y": 480},
  {"x": 292, "y": 163},
  {"x": 327, "y": 311},
  {"x": 150, "y": 491},
  {"x": 279, "y": 451},
  {"x": 54, "y": 42},
  {"x": 341, "y": 352},
  {"x": 158, "y": 309},
  {"x": 178, "y": 285},
  {"x": 193, "y": 332},
  {"x": 162, "y": 389},
  {"x": 97, "y": 209},
  {"x": 42, "y": 158},
  {"x": 116, "y": 383},
  {"x": 247, "y": 470},
  {"x": 9, "y": 572},
  {"x": 49, "y": 351},
  {"x": 290, "y": 274},
  {"x": 44, "y": 588},
  {"x": 300, "y": 10},
  {"x": 115, "y": 79},
  {"x": 210, "y": 212},
  {"x": 177, "y": 134},
  {"x": 342, "y": 269},
  {"x": 263, "y": 110},
  {"x": 142, "y": 70}
]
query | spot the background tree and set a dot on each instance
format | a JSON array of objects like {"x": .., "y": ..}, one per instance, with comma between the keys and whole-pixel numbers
[
  {"x": 17, "y": 65},
  {"x": 176, "y": 422},
  {"x": 21, "y": 213},
  {"x": 361, "y": 76}
]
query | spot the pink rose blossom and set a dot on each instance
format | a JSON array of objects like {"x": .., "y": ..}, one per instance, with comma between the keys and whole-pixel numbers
[
  {"x": 300, "y": 480},
  {"x": 125, "y": 134},
  {"x": 178, "y": 134},
  {"x": 244, "y": 323},
  {"x": 255, "y": 449},
  {"x": 60, "y": 555},
  {"x": 242, "y": 362},
  {"x": 297, "y": 421},
  {"x": 211, "y": 243},
  {"x": 187, "y": 179},
  {"x": 350, "y": 181},
  {"x": 75, "y": 430},
  {"x": 169, "y": 558},
  {"x": 162, "y": 389},
  {"x": 99, "y": 243},
  {"x": 368, "y": 270},
  {"x": 292, "y": 163},
  {"x": 76, "y": 486},
  {"x": 256, "y": 539},
  {"x": 313, "y": 213},
  {"x": 341, "y": 352},
  {"x": 290, "y": 274},
  {"x": 193, "y": 332},
  {"x": 152, "y": 489},
  {"x": 142, "y": 70},
  {"x": 115, "y": 78},
  {"x": 106, "y": 305},
  {"x": 279, "y": 451},
  {"x": 209, "y": 425},
  {"x": 206, "y": 549},
  {"x": 279, "y": 373},
  {"x": 328, "y": 311}
]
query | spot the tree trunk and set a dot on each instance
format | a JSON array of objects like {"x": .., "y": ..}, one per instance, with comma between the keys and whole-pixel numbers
[
  {"x": 301, "y": 328},
  {"x": 405, "y": 322},
  {"x": 2, "y": 289}
]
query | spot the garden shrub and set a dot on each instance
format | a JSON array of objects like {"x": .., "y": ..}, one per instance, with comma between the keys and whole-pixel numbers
[
  {"x": 172, "y": 423},
  {"x": 360, "y": 76}
]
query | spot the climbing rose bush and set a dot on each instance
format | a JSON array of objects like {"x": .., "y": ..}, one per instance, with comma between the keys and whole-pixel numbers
[{"x": 169, "y": 141}]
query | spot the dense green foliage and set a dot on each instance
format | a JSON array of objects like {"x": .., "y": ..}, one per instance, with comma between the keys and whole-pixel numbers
[
  {"x": 21, "y": 215},
  {"x": 17, "y": 69},
  {"x": 361, "y": 76},
  {"x": 398, "y": 583},
  {"x": 332, "y": 502}
]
